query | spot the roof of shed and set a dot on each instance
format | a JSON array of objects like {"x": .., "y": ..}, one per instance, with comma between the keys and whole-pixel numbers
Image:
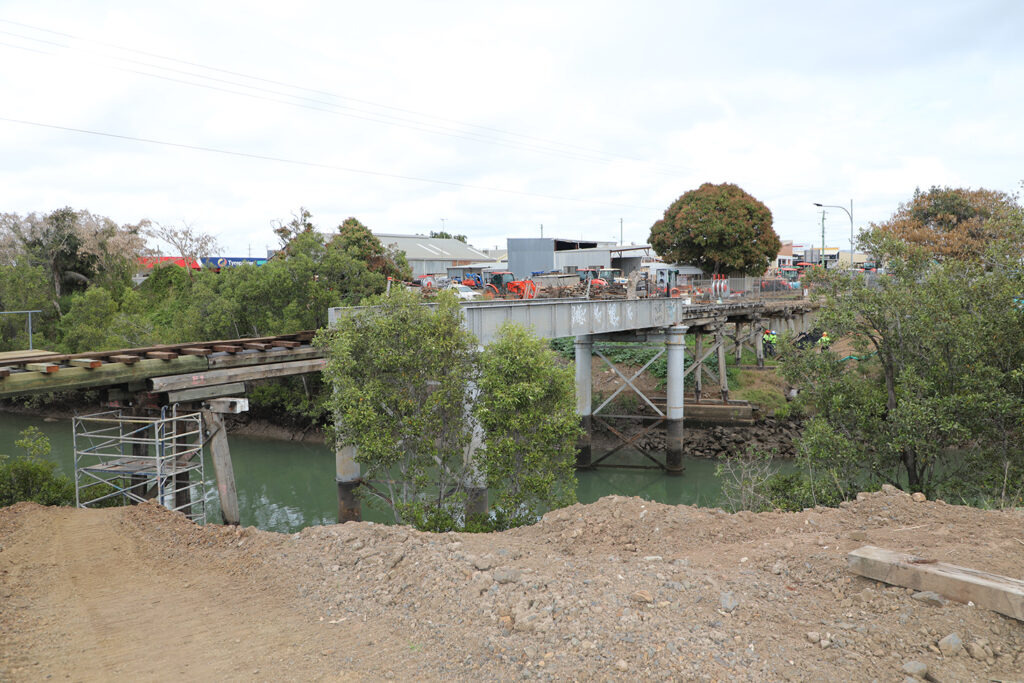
[{"x": 420, "y": 248}]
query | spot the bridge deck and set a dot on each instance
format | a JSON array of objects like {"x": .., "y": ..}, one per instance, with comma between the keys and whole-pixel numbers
[{"x": 188, "y": 366}]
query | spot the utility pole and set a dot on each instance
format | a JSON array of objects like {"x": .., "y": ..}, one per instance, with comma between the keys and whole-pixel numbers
[
  {"x": 621, "y": 243},
  {"x": 822, "y": 239},
  {"x": 542, "y": 230}
]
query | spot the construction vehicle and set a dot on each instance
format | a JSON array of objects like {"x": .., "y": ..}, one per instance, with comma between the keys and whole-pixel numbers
[
  {"x": 503, "y": 284},
  {"x": 591, "y": 275},
  {"x": 473, "y": 280},
  {"x": 612, "y": 276}
]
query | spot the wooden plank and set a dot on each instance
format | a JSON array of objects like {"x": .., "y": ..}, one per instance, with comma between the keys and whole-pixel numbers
[
  {"x": 205, "y": 392},
  {"x": 108, "y": 374},
  {"x": 162, "y": 355},
  {"x": 195, "y": 351},
  {"x": 992, "y": 591},
  {"x": 264, "y": 357},
  {"x": 126, "y": 358},
  {"x": 242, "y": 374},
  {"x": 221, "y": 457},
  {"x": 85, "y": 363},
  {"x": 27, "y": 355},
  {"x": 42, "y": 367},
  {"x": 4, "y": 372},
  {"x": 287, "y": 344},
  {"x": 229, "y": 348},
  {"x": 256, "y": 346}
]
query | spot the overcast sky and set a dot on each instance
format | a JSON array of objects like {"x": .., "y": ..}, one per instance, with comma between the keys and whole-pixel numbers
[{"x": 490, "y": 119}]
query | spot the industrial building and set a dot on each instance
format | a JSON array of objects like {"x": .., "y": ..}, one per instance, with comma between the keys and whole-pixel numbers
[{"x": 431, "y": 255}]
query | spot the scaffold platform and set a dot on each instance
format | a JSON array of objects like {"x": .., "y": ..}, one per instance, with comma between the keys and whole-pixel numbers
[{"x": 129, "y": 459}]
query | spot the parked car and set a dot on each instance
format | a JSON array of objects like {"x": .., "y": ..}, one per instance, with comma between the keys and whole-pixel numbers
[{"x": 462, "y": 291}]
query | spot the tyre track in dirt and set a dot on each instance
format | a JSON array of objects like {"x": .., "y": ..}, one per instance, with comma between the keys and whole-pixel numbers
[{"x": 147, "y": 615}]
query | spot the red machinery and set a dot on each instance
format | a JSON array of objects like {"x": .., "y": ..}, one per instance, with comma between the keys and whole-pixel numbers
[{"x": 503, "y": 283}]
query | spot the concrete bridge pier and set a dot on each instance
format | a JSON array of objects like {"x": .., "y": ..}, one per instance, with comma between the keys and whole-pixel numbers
[
  {"x": 675, "y": 348},
  {"x": 347, "y": 476},
  {"x": 476, "y": 486},
  {"x": 584, "y": 346}
]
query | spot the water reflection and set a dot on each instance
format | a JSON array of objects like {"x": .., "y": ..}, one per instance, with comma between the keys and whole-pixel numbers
[{"x": 286, "y": 486}]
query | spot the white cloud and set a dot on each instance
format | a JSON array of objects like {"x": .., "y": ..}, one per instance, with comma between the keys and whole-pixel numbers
[{"x": 864, "y": 102}]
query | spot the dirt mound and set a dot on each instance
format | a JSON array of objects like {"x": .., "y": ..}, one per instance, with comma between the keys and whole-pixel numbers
[{"x": 622, "y": 588}]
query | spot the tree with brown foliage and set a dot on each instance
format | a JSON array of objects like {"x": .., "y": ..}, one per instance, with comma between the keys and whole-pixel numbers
[{"x": 957, "y": 223}]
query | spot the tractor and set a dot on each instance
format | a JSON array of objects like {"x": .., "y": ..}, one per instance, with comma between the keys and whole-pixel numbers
[
  {"x": 591, "y": 275},
  {"x": 503, "y": 284}
]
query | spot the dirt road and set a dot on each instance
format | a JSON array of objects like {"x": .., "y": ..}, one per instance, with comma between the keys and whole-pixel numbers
[{"x": 621, "y": 589}]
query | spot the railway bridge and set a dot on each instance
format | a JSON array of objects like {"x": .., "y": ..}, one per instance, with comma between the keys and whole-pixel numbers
[{"x": 206, "y": 375}]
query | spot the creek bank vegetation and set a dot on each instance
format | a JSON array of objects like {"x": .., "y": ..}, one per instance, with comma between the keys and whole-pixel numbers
[{"x": 932, "y": 400}]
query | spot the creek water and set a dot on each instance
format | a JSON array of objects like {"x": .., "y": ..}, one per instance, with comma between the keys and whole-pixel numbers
[{"x": 286, "y": 485}]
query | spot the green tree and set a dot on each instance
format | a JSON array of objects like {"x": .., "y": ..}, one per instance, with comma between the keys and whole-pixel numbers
[
  {"x": 75, "y": 249},
  {"x": 447, "y": 236},
  {"x": 400, "y": 379},
  {"x": 526, "y": 407},
  {"x": 24, "y": 287},
  {"x": 718, "y": 228},
  {"x": 357, "y": 240},
  {"x": 298, "y": 225},
  {"x": 940, "y": 400},
  {"x": 28, "y": 478}
]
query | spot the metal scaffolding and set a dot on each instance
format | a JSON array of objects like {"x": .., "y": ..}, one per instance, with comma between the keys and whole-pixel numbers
[{"x": 137, "y": 458}]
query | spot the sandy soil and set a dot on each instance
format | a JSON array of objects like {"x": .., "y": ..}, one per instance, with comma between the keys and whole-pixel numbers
[{"x": 621, "y": 589}]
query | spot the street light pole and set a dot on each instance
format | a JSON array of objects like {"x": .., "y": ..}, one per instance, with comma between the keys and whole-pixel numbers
[{"x": 848, "y": 213}]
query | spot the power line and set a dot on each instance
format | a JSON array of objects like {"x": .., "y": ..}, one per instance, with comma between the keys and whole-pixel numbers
[
  {"x": 560, "y": 149},
  {"x": 312, "y": 164}
]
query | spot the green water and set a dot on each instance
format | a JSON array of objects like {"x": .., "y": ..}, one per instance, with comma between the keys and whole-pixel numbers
[{"x": 286, "y": 486}]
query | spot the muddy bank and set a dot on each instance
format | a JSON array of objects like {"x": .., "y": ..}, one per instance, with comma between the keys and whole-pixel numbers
[
  {"x": 236, "y": 424},
  {"x": 771, "y": 434}
]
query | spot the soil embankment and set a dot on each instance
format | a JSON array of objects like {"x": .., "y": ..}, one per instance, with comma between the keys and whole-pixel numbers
[{"x": 619, "y": 589}]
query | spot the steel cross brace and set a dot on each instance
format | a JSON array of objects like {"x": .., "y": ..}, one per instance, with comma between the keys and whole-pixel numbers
[
  {"x": 629, "y": 381},
  {"x": 629, "y": 441}
]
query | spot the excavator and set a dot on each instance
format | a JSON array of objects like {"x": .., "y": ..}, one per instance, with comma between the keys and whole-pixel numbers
[{"x": 503, "y": 284}]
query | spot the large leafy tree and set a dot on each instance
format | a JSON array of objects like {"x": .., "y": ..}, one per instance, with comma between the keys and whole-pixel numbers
[
  {"x": 401, "y": 379},
  {"x": 74, "y": 248},
  {"x": 937, "y": 401},
  {"x": 957, "y": 223},
  {"x": 526, "y": 407},
  {"x": 430, "y": 415},
  {"x": 357, "y": 240},
  {"x": 718, "y": 228}
]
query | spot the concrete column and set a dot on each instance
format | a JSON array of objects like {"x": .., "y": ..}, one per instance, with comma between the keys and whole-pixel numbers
[
  {"x": 723, "y": 378},
  {"x": 698, "y": 353},
  {"x": 584, "y": 396},
  {"x": 675, "y": 350},
  {"x": 347, "y": 476},
  {"x": 476, "y": 486}
]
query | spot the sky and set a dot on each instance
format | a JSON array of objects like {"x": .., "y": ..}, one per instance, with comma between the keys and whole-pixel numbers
[{"x": 493, "y": 119}]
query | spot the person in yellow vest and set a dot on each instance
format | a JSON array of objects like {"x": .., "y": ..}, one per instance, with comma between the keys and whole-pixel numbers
[
  {"x": 768, "y": 340},
  {"x": 824, "y": 342}
]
